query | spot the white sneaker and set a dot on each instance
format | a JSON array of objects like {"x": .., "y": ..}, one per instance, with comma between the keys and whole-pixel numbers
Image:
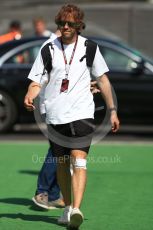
[
  {"x": 76, "y": 218},
  {"x": 65, "y": 218}
]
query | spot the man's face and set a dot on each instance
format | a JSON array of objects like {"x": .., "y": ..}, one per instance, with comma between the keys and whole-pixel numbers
[
  {"x": 67, "y": 27},
  {"x": 39, "y": 27}
]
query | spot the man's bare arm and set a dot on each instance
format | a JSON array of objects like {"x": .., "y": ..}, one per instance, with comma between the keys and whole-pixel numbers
[
  {"x": 105, "y": 89},
  {"x": 33, "y": 91}
]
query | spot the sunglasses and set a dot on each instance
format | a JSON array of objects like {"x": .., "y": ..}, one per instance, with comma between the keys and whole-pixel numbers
[{"x": 70, "y": 24}]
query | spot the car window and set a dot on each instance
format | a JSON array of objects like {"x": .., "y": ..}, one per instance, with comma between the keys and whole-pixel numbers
[
  {"x": 26, "y": 56},
  {"x": 117, "y": 60}
]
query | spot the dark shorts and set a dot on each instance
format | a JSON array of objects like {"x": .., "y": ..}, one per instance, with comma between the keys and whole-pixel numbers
[{"x": 76, "y": 135}]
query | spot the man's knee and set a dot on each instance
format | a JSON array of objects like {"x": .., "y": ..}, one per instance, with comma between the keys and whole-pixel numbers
[{"x": 79, "y": 163}]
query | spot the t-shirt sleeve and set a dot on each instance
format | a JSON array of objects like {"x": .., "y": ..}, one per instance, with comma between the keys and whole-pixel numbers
[
  {"x": 99, "y": 66},
  {"x": 42, "y": 99},
  {"x": 36, "y": 73}
]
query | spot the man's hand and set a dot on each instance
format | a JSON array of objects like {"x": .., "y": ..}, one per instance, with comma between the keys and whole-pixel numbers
[
  {"x": 94, "y": 87},
  {"x": 114, "y": 121},
  {"x": 28, "y": 103},
  {"x": 33, "y": 91}
]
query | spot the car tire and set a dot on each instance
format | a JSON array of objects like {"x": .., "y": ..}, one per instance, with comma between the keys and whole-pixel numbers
[{"x": 8, "y": 112}]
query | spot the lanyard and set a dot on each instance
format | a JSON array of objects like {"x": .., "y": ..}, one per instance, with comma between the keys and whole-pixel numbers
[{"x": 67, "y": 65}]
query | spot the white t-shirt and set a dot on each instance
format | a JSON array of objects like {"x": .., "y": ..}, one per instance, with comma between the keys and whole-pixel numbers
[
  {"x": 77, "y": 103},
  {"x": 42, "y": 92}
]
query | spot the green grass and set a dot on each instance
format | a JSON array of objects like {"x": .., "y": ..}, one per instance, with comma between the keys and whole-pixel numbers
[{"x": 119, "y": 194}]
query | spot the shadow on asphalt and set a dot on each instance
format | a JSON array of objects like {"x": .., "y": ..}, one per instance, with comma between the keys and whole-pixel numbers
[{"x": 126, "y": 133}]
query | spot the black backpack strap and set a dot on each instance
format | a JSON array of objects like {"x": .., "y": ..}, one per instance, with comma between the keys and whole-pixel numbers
[
  {"x": 90, "y": 52},
  {"x": 46, "y": 57}
]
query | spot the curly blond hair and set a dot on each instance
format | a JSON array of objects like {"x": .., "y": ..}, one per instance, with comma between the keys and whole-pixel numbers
[{"x": 71, "y": 10}]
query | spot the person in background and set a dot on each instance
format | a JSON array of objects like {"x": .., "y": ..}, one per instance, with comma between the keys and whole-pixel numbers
[
  {"x": 14, "y": 33},
  {"x": 40, "y": 27},
  {"x": 47, "y": 193}
]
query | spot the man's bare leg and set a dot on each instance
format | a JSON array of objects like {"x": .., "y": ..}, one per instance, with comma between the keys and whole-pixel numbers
[
  {"x": 64, "y": 178},
  {"x": 78, "y": 178}
]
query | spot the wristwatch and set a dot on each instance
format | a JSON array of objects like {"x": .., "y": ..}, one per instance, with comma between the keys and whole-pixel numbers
[{"x": 112, "y": 109}]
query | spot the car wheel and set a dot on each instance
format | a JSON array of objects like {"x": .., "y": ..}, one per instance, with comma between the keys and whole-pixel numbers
[{"x": 8, "y": 112}]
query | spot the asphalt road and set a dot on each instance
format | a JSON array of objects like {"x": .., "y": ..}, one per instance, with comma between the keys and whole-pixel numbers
[{"x": 125, "y": 134}]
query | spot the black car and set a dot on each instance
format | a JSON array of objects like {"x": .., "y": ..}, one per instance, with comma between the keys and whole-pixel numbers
[{"x": 131, "y": 75}]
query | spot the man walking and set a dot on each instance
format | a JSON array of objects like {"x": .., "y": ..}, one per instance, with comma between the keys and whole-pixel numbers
[{"x": 70, "y": 107}]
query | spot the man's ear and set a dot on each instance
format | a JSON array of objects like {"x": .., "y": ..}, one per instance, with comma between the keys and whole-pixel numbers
[{"x": 83, "y": 26}]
